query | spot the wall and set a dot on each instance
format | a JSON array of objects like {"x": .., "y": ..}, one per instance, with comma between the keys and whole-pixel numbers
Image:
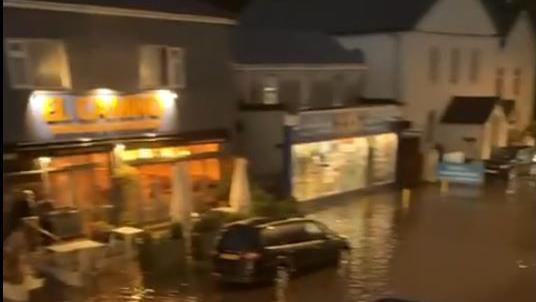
[
  {"x": 420, "y": 94},
  {"x": 103, "y": 52},
  {"x": 380, "y": 52},
  {"x": 314, "y": 88},
  {"x": 452, "y": 135},
  {"x": 260, "y": 138},
  {"x": 520, "y": 52}
]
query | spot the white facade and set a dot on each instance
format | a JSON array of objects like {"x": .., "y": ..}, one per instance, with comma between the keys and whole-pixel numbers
[
  {"x": 493, "y": 133},
  {"x": 518, "y": 58},
  {"x": 454, "y": 50}
]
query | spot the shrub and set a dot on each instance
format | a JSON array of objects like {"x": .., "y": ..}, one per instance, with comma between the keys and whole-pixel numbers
[
  {"x": 266, "y": 205},
  {"x": 176, "y": 231}
]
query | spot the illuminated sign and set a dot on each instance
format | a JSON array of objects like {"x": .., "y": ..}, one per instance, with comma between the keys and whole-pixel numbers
[
  {"x": 101, "y": 111},
  {"x": 329, "y": 124}
]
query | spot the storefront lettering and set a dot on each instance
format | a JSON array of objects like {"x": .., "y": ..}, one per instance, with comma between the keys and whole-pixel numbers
[{"x": 101, "y": 112}]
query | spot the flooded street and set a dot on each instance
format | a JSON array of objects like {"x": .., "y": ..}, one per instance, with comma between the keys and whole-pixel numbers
[{"x": 468, "y": 246}]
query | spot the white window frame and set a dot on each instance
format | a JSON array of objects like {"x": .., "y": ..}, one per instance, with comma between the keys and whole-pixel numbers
[
  {"x": 517, "y": 81},
  {"x": 455, "y": 63},
  {"x": 499, "y": 81},
  {"x": 475, "y": 65},
  {"x": 175, "y": 79},
  {"x": 29, "y": 82},
  {"x": 270, "y": 88},
  {"x": 339, "y": 87},
  {"x": 434, "y": 64}
]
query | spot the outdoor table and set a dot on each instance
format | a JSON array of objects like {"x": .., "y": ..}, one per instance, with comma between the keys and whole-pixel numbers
[{"x": 128, "y": 234}]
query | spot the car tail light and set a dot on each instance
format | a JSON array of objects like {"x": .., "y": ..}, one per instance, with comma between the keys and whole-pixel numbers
[{"x": 251, "y": 256}]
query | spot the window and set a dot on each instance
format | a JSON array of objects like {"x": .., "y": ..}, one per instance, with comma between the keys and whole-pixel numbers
[
  {"x": 313, "y": 231},
  {"x": 499, "y": 82},
  {"x": 434, "y": 58},
  {"x": 474, "y": 73},
  {"x": 270, "y": 90},
  {"x": 338, "y": 90},
  {"x": 431, "y": 124},
  {"x": 516, "y": 85},
  {"x": 162, "y": 67},
  {"x": 454, "y": 65},
  {"x": 37, "y": 64}
]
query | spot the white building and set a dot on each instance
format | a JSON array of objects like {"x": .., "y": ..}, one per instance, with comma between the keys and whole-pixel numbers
[{"x": 424, "y": 53}]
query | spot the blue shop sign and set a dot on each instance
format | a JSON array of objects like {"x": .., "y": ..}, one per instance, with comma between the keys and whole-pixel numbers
[
  {"x": 329, "y": 124},
  {"x": 467, "y": 173}
]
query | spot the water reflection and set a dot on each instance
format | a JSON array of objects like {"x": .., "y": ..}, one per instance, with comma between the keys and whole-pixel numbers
[{"x": 398, "y": 249}]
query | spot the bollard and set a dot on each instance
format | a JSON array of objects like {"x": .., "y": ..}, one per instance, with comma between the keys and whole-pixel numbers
[
  {"x": 511, "y": 188},
  {"x": 444, "y": 187},
  {"x": 406, "y": 198}
]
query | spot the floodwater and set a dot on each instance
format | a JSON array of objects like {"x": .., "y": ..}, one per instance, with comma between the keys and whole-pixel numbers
[{"x": 470, "y": 245}]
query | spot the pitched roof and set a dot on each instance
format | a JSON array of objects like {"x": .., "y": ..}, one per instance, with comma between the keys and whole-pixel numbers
[
  {"x": 469, "y": 110},
  {"x": 503, "y": 14},
  {"x": 189, "y": 7},
  {"x": 287, "y": 47},
  {"x": 336, "y": 16}
]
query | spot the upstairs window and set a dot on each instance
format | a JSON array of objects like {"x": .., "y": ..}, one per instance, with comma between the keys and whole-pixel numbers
[
  {"x": 37, "y": 64},
  {"x": 474, "y": 72},
  {"x": 516, "y": 85},
  {"x": 270, "y": 90},
  {"x": 162, "y": 67},
  {"x": 338, "y": 90},
  {"x": 499, "y": 82},
  {"x": 454, "y": 65},
  {"x": 434, "y": 58}
]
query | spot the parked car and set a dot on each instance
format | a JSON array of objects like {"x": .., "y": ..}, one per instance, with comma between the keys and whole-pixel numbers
[
  {"x": 503, "y": 160},
  {"x": 254, "y": 250}
]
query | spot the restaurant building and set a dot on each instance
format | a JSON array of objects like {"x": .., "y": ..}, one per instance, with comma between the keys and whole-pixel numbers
[
  {"x": 101, "y": 93},
  {"x": 303, "y": 124}
]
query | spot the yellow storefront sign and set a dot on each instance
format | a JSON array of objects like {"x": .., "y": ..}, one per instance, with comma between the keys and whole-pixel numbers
[{"x": 102, "y": 112}]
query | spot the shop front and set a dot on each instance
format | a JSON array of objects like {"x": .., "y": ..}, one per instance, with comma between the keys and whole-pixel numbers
[
  {"x": 342, "y": 150},
  {"x": 104, "y": 153}
]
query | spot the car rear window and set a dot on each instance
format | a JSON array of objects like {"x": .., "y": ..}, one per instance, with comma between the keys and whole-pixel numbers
[{"x": 239, "y": 239}]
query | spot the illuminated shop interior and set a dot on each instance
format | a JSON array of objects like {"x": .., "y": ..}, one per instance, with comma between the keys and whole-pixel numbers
[{"x": 342, "y": 165}]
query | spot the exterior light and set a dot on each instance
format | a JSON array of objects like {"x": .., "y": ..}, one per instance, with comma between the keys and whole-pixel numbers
[
  {"x": 119, "y": 149},
  {"x": 44, "y": 162},
  {"x": 106, "y": 98},
  {"x": 166, "y": 98},
  {"x": 167, "y": 153},
  {"x": 145, "y": 153},
  {"x": 39, "y": 101}
]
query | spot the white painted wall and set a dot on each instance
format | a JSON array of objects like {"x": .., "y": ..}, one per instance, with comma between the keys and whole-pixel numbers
[
  {"x": 451, "y": 136},
  {"x": 380, "y": 52},
  {"x": 458, "y": 17},
  {"x": 420, "y": 94},
  {"x": 520, "y": 52},
  {"x": 262, "y": 133}
]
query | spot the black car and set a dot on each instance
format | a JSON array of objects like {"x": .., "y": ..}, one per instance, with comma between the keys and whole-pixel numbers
[
  {"x": 503, "y": 160},
  {"x": 253, "y": 250}
]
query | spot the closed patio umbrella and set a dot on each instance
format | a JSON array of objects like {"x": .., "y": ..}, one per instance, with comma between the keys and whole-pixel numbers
[
  {"x": 181, "y": 197},
  {"x": 240, "y": 196}
]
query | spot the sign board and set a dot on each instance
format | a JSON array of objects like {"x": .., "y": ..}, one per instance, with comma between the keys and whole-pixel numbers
[
  {"x": 465, "y": 173},
  {"x": 102, "y": 111},
  {"x": 325, "y": 124}
]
